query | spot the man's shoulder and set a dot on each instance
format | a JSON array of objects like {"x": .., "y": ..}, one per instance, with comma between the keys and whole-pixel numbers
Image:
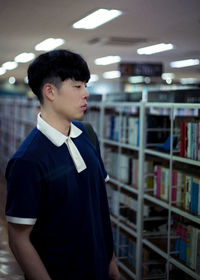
[
  {"x": 31, "y": 145},
  {"x": 23, "y": 152}
]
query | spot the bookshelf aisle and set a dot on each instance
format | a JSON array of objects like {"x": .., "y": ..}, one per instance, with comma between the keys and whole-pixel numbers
[
  {"x": 17, "y": 118},
  {"x": 153, "y": 192}
]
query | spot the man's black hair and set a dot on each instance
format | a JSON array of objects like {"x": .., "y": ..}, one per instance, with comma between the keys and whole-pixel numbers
[{"x": 55, "y": 67}]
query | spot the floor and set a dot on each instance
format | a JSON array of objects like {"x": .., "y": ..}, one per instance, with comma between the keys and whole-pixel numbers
[{"x": 9, "y": 269}]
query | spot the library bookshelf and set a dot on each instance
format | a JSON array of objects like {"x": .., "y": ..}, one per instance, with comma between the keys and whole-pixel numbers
[
  {"x": 155, "y": 215},
  {"x": 154, "y": 187}
]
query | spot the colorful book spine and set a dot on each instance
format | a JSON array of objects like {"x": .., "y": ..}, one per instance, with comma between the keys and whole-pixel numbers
[
  {"x": 165, "y": 183},
  {"x": 190, "y": 140},
  {"x": 188, "y": 248},
  {"x": 187, "y": 245},
  {"x": 174, "y": 187},
  {"x": 185, "y": 190},
  {"x": 158, "y": 181},
  {"x": 183, "y": 139},
  {"x": 177, "y": 240},
  {"x": 194, "y": 196}
]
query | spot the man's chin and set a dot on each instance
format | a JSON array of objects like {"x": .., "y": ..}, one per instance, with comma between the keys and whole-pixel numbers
[{"x": 81, "y": 118}]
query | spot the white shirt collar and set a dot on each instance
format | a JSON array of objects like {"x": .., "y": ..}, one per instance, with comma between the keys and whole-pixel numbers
[
  {"x": 55, "y": 136},
  {"x": 58, "y": 139}
]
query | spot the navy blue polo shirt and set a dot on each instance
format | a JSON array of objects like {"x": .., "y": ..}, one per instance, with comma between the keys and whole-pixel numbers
[{"x": 68, "y": 209}]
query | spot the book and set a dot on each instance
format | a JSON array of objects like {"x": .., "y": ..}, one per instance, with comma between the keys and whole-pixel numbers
[
  {"x": 165, "y": 183},
  {"x": 183, "y": 245},
  {"x": 174, "y": 187},
  {"x": 132, "y": 211},
  {"x": 192, "y": 140},
  {"x": 115, "y": 203},
  {"x": 133, "y": 131},
  {"x": 188, "y": 192},
  {"x": 134, "y": 172},
  {"x": 188, "y": 154},
  {"x": 123, "y": 246},
  {"x": 124, "y": 173},
  {"x": 116, "y": 128},
  {"x": 123, "y": 135},
  {"x": 194, "y": 196},
  {"x": 196, "y": 140},
  {"x": 148, "y": 171},
  {"x": 193, "y": 251},
  {"x": 188, "y": 247},
  {"x": 158, "y": 181},
  {"x": 107, "y": 126},
  {"x": 183, "y": 139},
  {"x": 132, "y": 253},
  {"x": 180, "y": 189}
]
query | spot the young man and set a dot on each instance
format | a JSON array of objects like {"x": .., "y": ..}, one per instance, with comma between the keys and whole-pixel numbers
[{"x": 57, "y": 211}]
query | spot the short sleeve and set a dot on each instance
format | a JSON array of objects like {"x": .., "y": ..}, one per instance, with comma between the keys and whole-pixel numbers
[{"x": 23, "y": 192}]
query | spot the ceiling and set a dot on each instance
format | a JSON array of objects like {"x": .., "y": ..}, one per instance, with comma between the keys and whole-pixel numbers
[{"x": 24, "y": 23}]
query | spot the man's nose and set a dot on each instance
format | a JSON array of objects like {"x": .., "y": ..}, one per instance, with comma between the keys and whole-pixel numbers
[{"x": 86, "y": 94}]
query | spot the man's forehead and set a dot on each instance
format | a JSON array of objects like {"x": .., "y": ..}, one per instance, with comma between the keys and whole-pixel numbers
[{"x": 73, "y": 81}]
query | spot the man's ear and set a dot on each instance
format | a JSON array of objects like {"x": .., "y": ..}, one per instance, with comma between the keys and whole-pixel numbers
[{"x": 49, "y": 91}]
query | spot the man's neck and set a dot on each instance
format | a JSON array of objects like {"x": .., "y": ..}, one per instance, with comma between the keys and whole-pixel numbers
[{"x": 58, "y": 123}]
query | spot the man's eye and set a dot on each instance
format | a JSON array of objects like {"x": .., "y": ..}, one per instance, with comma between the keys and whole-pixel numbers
[{"x": 78, "y": 86}]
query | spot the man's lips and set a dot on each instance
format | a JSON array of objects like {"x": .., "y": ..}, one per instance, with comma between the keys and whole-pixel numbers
[{"x": 84, "y": 106}]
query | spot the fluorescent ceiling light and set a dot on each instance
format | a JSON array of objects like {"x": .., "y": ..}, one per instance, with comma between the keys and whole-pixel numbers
[
  {"x": 139, "y": 79},
  {"x": 10, "y": 65},
  {"x": 96, "y": 19},
  {"x": 155, "y": 49},
  {"x": 187, "y": 81},
  {"x": 93, "y": 78},
  {"x": 2, "y": 71},
  {"x": 169, "y": 81},
  {"x": 166, "y": 76},
  {"x": 11, "y": 80},
  {"x": 112, "y": 74},
  {"x": 107, "y": 60},
  {"x": 24, "y": 57},
  {"x": 49, "y": 44},
  {"x": 184, "y": 63},
  {"x": 147, "y": 80},
  {"x": 136, "y": 79}
]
